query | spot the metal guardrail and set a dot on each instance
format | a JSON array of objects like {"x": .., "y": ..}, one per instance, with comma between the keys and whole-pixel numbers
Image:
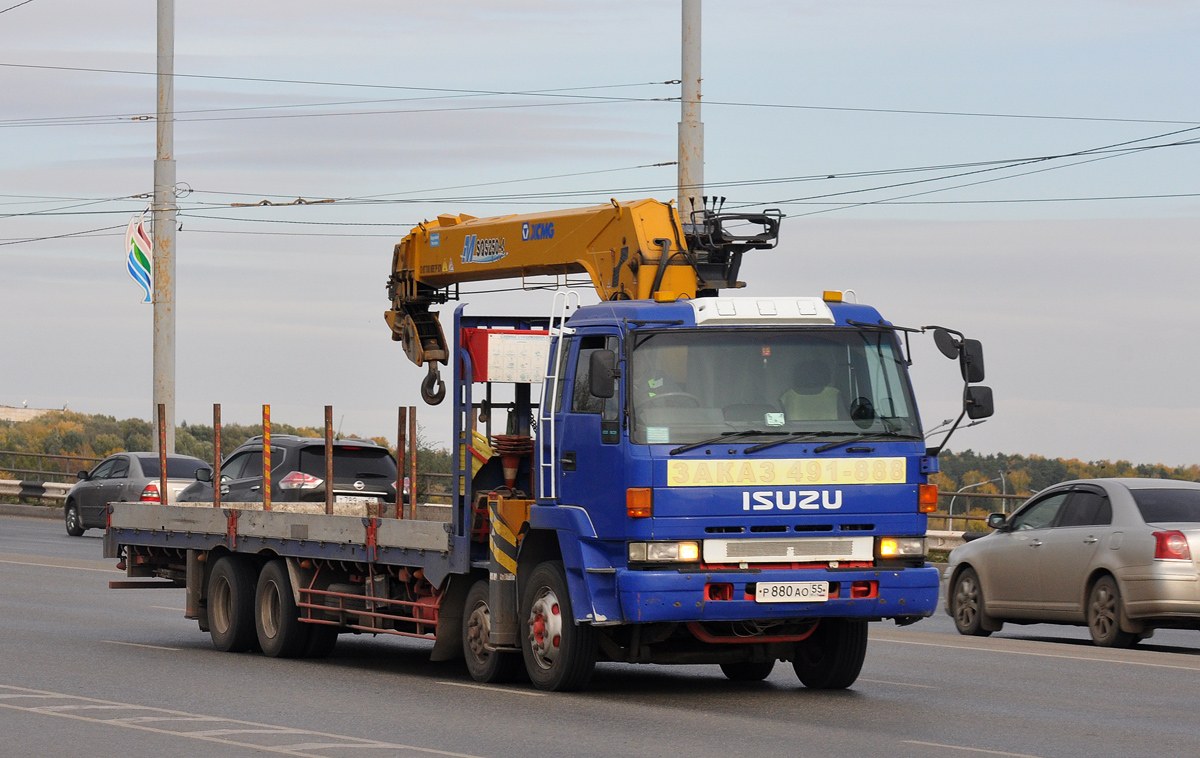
[
  {"x": 66, "y": 466},
  {"x": 34, "y": 490}
]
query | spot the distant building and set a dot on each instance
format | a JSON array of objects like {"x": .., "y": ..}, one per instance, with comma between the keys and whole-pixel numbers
[{"x": 8, "y": 413}]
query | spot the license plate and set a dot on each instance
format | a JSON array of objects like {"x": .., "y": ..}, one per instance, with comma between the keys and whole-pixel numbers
[
  {"x": 791, "y": 592},
  {"x": 356, "y": 499}
]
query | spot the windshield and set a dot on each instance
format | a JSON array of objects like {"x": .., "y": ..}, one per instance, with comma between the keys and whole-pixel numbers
[
  {"x": 349, "y": 462},
  {"x": 1167, "y": 506},
  {"x": 177, "y": 468},
  {"x": 686, "y": 386}
]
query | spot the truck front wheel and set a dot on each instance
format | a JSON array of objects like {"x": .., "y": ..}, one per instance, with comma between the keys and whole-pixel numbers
[
  {"x": 489, "y": 666},
  {"x": 560, "y": 655},
  {"x": 231, "y": 604},
  {"x": 277, "y": 620},
  {"x": 833, "y": 656}
]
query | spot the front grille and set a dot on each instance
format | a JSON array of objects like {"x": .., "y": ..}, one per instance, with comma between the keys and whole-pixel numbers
[{"x": 798, "y": 549}]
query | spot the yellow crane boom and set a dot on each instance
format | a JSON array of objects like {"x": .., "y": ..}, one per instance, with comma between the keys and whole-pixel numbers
[{"x": 629, "y": 250}]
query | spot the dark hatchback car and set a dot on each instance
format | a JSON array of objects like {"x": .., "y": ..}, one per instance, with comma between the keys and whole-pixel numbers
[
  {"x": 364, "y": 473},
  {"x": 121, "y": 477}
]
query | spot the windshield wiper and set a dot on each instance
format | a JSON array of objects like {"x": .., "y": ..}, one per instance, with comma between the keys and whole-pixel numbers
[
  {"x": 724, "y": 436},
  {"x": 865, "y": 437},
  {"x": 793, "y": 437}
]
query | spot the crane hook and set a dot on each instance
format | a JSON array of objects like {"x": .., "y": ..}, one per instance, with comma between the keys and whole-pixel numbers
[{"x": 432, "y": 379}]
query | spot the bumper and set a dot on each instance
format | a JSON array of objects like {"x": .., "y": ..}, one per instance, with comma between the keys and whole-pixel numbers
[
  {"x": 649, "y": 596},
  {"x": 1163, "y": 591}
]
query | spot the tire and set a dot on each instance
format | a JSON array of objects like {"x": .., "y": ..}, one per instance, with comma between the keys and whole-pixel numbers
[
  {"x": 1104, "y": 615},
  {"x": 71, "y": 518},
  {"x": 966, "y": 604},
  {"x": 322, "y": 639},
  {"x": 281, "y": 634},
  {"x": 231, "y": 604},
  {"x": 560, "y": 655},
  {"x": 833, "y": 656},
  {"x": 485, "y": 665},
  {"x": 746, "y": 671}
]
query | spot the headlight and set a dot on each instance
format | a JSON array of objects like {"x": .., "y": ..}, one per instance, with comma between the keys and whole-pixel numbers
[
  {"x": 664, "y": 552},
  {"x": 900, "y": 547}
]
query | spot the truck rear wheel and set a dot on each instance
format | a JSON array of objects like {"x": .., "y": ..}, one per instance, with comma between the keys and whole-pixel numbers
[
  {"x": 833, "y": 656},
  {"x": 485, "y": 665},
  {"x": 322, "y": 639},
  {"x": 231, "y": 604},
  {"x": 747, "y": 671},
  {"x": 276, "y": 619},
  {"x": 560, "y": 655}
]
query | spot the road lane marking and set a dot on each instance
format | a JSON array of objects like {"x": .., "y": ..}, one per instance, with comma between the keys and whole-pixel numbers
[
  {"x": 138, "y": 644},
  {"x": 505, "y": 690},
  {"x": 969, "y": 749},
  {"x": 975, "y": 649},
  {"x": 899, "y": 684},
  {"x": 301, "y": 750},
  {"x": 44, "y": 564},
  {"x": 167, "y": 608}
]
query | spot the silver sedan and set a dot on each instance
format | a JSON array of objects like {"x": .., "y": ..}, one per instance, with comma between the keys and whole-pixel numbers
[{"x": 1112, "y": 554}]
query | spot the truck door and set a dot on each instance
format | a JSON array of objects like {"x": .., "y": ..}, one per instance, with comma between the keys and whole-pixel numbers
[{"x": 589, "y": 463}]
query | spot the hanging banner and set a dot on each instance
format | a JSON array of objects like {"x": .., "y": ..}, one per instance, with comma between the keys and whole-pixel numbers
[{"x": 139, "y": 251}]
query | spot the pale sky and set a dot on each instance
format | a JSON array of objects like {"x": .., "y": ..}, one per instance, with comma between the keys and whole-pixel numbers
[{"x": 1085, "y": 307}]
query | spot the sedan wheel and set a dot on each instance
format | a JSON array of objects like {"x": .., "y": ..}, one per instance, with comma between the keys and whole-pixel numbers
[
  {"x": 1104, "y": 615},
  {"x": 966, "y": 604},
  {"x": 74, "y": 524}
]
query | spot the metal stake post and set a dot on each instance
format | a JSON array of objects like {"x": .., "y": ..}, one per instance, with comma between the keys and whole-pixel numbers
[
  {"x": 164, "y": 225},
  {"x": 266, "y": 458},
  {"x": 162, "y": 453},
  {"x": 401, "y": 459},
  {"x": 412, "y": 459},
  {"x": 329, "y": 460},
  {"x": 216, "y": 455},
  {"x": 691, "y": 128}
]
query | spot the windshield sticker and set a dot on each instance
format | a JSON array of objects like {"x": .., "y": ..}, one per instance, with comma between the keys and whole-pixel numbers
[
  {"x": 695, "y": 473},
  {"x": 658, "y": 435},
  {"x": 775, "y": 419}
]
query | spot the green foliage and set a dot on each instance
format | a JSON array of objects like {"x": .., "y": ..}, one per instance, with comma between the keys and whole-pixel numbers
[{"x": 1033, "y": 473}]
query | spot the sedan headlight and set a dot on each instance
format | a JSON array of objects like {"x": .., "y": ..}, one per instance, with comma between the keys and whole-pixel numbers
[
  {"x": 899, "y": 547},
  {"x": 664, "y": 552}
]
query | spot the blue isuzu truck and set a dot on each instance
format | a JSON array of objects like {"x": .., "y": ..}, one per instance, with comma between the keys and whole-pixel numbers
[{"x": 680, "y": 479}]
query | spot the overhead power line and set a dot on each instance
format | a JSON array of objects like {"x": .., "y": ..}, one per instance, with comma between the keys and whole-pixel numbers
[{"x": 18, "y": 5}]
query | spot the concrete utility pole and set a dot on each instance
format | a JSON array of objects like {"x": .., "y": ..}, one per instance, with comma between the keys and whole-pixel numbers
[
  {"x": 164, "y": 224},
  {"x": 691, "y": 129}
]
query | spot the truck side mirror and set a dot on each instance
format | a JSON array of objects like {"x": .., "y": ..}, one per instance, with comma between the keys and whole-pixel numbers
[
  {"x": 970, "y": 360},
  {"x": 996, "y": 520},
  {"x": 204, "y": 474},
  {"x": 602, "y": 370},
  {"x": 977, "y": 402}
]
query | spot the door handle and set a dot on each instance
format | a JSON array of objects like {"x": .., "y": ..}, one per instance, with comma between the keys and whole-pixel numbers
[
  {"x": 1035, "y": 543},
  {"x": 568, "y": 460},
  {"x": 259, "y": 486},
  {"x": 1090, "y": 540}
]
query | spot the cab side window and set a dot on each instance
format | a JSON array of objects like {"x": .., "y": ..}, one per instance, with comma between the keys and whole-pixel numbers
[
  {"x": 103, "y": 470},
  {"x": 1040, "y": 514},
  {"x": 582, "y": 400},
  {"x": 1086, "y": 508},
  {"x": 232, "y": 468}
]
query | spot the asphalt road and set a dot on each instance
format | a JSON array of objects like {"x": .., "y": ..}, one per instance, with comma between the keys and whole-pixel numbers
[{"x": 87, "y": 671}]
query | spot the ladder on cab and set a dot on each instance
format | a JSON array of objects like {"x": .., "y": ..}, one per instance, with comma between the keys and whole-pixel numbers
[{"x": 564, "y": 304}]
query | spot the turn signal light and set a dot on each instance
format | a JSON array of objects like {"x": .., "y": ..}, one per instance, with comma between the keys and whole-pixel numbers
[
  {"x": 1171, "y": 546},
  {"x": 639, "y": 502},
  {"x": 927, "y": 498}
]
